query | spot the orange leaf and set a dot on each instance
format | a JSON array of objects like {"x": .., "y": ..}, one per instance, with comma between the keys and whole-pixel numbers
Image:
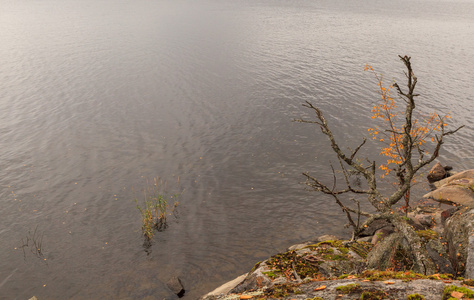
[
  {"x": 457, "y": 295},
  {"x": 388, "y": 282},
  {"x": 246, "y": 296},
  {"x": 320, "y": 288}
]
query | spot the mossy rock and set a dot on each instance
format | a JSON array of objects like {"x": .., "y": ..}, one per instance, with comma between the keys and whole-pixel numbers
[
  {"x": 282, "y": 290},
  {"x": 469, "y": 282},
  {"x": 374, "y": 275},
  {"x": 349, "y": 288},
  {"x": 373, "y": 295},
  {"x": 448, "y": 290},
  {"x": 288, "y": 262},
  {"x": 415, "y": 297},
  {"x": 427, "y": 234}
]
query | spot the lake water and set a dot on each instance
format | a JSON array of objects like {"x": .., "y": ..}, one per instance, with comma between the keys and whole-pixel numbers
[{"x": 98, "y": 96}]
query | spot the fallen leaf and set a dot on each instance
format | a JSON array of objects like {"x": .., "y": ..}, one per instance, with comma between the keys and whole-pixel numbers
[
  {"x": 365, "y": 280},
  {"x": 457, "y": 295},
  {"x": 388, "y": 282},
  {"x": 447, "y": 281},
  {"x": 351, "y": 277},
  {"x": 320, "y": 288},
  {"x": 246, "y": 296}
]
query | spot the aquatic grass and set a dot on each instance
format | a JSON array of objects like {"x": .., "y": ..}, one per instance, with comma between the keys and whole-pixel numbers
[
  {"x": 156, "y": 207},
  {"x": 33, "y": 241}
]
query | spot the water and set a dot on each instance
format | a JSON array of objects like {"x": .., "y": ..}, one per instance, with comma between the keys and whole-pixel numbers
[{"x": 98, "y": 96}]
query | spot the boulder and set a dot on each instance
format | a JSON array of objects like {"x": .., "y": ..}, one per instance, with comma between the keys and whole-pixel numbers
[
  {"x": 225, "y": 288},
  {"x": 459, "y": 230},
  {"x": 438, "y": 254},
  {"x": 436, "y": 173},
  {"x": 254, "y": 280},
  {"x": 460, "y": 175},
  {"x": 457, "y": 189}
]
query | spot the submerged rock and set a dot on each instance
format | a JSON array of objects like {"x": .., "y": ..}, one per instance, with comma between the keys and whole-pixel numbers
[{"x": 175, "y": 285}]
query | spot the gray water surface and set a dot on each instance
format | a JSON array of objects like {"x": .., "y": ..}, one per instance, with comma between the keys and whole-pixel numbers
[{"x": 96, "y": 97}]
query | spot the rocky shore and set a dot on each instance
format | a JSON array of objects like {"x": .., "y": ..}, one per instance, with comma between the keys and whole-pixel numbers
[{"x": 377, "y": 265}]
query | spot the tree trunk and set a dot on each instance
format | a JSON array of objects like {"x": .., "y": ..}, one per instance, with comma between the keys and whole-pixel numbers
[{"x": 422, "y": 263}]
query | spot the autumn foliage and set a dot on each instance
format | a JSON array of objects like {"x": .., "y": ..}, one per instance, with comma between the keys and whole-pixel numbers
[
  {"x": 391, "y": 130},
  {"x": 404, "y": 134}
]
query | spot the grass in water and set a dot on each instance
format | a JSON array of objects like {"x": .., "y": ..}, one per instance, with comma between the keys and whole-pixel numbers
[{"x": 157, "y": 205}]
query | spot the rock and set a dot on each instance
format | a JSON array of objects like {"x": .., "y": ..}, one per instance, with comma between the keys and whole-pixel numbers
[
  {"x": 374, "y": 226},
  {"x": 424, "y": 219},
  {"x": 381, "y": 234},
  {"x": 302, "y": 245},
  {"x": 226, "y": 287},
  {"x": 438, "y": 254},
  {"x": 436, "y": 173},
  {"x": 460, "y": 175},
  {"x": 459, "y": 230},
  {"x": 447, "y": 213},
  {"x": 328, "y": 289},
  {"x": 328, "y": 237},
  {"x": 175, "y": 285},
  {"x": 454, "y": 194},
  {"x": 254, "y": 280},
  {"x": 458, "y": 189}
]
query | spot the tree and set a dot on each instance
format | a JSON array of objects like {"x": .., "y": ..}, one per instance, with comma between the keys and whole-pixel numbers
[{"x": 405, "y": 141}]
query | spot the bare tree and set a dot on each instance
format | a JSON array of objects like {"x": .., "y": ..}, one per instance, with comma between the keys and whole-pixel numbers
[{"x": 411, "y": 157}]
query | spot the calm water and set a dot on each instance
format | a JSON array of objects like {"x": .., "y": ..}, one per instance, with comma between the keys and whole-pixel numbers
[{"x": 98, "y": 96}]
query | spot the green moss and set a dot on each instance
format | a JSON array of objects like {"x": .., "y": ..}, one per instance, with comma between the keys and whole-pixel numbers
[
  {"x": 270, "y": 274},
  {"x": 468, "y": 294},
  {"x": 361, "y": 248},
  {"x": 427, "y": 234},
  {"x": 288, "y": 262},
  {"x": 282, "y": 290},
  {"x": 469, "y": 282},
  {"x": 383, "y": 275},
  {"x": 298, "y": 292},
  {"x": 373, "y": 295},
  {"x": 415, "y": 297},
  {"x": 255, "y": 267},
  {"x": 349, "y": 288}
]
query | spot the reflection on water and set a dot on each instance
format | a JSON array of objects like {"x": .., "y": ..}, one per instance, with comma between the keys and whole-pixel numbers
[{"x": 98, "y": 96}]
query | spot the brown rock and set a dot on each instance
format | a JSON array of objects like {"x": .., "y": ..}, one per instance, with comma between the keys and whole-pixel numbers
[
  {"x": 456, "y": 194},
  {"x": 436, "y": 173},
  {"x": 424, "y": 219},
  {"x": 460, "y": 175},
  {"x": 457, "y": 189}
]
